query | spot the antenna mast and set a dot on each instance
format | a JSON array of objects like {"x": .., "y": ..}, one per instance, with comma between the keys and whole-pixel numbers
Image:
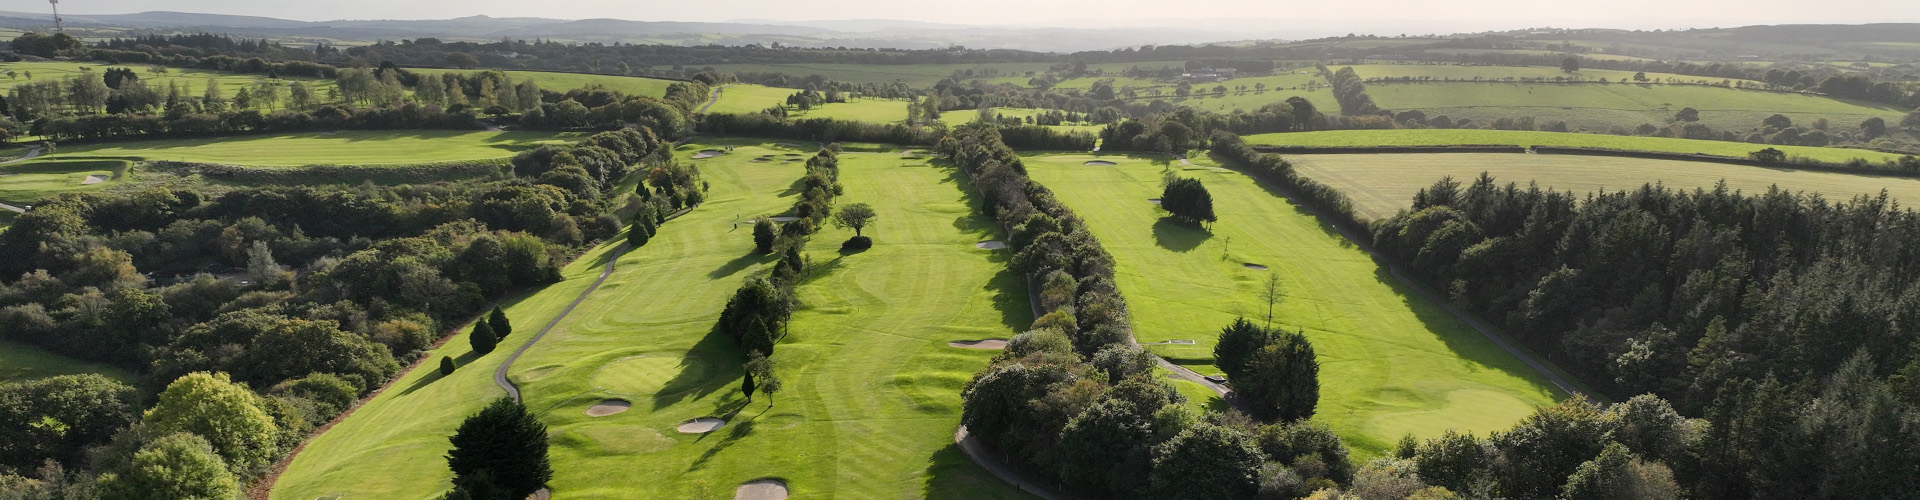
[{"x": 56, "y": 16}]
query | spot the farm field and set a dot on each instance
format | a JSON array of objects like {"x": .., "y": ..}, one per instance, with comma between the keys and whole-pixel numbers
[
  {"x": 916, "y": 75},
  {"x": 20, "y": 363},
  {"x": 33, "y": 180},
  {"x": 1382, "y": 184},
  {"x": 1322, "y": 99},
  {"x": 1468, "y": 72},
  {"x": 562, "y": 82},
  {"x": 1594, "y": 106},
  {"x": 193, "y": 79},
  {"x": 745, "y": 98},
  {"x": 375, "y": 147},
  {"x": 1455, "y": 137},
  {"x": 1391, "y": 362}
]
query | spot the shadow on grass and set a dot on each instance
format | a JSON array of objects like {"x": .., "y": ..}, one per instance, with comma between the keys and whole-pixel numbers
[
  {"x": 735, "y": 429},
  {"x": 435, "y": 376},
  {"x": 952, "y": 476},
  {"x": 741, "y": 263},
  {"x": 695, "y": 381},
  {"x": 1177, "y": 236},
  {"x": 1010, "y": 294}
]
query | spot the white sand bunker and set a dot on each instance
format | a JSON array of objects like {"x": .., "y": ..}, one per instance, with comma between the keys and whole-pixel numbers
[
  {"x": 783, "y": 219},
  {"x": 761, "y": 489},
  {"x": 608, "y": 407},
  {"x": 991, "y": 245},
  {"x": 701, "y": 425},
  {"x": 979, "y": 344},
  {"x": 1100, "y": 162},
  {"x": 1155, "y": 201},
  {"x": 1254, "y": 266},
  {"x": 708, "y": 153},
  {"x": 93, "y": 179}
]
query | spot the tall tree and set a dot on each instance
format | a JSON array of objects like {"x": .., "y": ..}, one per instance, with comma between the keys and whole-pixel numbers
[
  {"x": 178, "y": 466},
  {"x": 856, "y": 216},
  {"x": 498, "y": 320},
  {"x": 483, "y": 340},
  {"x": 228, "y": 415},
  {"x": 1281, "y": 381},
  {"x": 500, "y": 453},
  {"x": 760, "y": 369}
]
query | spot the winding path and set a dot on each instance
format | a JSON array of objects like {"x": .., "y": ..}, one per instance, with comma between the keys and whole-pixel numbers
[
  {"x": 32, "y": 152},
  {"x": 716, "y": 98},
  {"x": 500, "y": 374}
]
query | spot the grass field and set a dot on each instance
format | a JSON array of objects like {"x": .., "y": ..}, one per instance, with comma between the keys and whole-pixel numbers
[
  {"x": 562, "y": 82},
  {"x": 1469, "y": 72},
  {"x": 1382, "y": 184},
  {"x": 1594, "y": 106},
  {"x": 1391, "y": 362},
  {"x": 33, "y": 180},
  {"x": 376, "y": 147},
  {"x": 1454, "y": 137},
  {"x": 744, "y": 98},
  {"x": 872, "y": 390},
  {"x": 916, "y": 75},
  {"x": 20, "y": 363}
]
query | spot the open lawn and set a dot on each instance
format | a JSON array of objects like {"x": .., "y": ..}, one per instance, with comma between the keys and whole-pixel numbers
[
  {"x": 1391, "y": 363},
  {"x": 1456, "y": 137},
  {"x": 743, "y": 98},
  {"x": 562, "y": 82},
  {"x": 20, "y": 363},
  {"x": 1322, "y": 98},
  {"x": 1595, "y": 106},
  {"x": 372, "y": 147},
  {"x": 1381, "y": 184},
  {"x": 34, "y": 180}
]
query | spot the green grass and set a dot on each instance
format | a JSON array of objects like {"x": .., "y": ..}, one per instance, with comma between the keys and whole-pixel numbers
[
  {"x": 872, "y": 390},
  {"x": 1598, "y": 106},
  {"x": 1454, "y": 137},
  {"x": 1391, "y": 362},
  {"x": 916, "y": 75},
  {"x": 34, "y": 180},
  {"x": 1382, "y": 184},
  {"x": 192, "y": 79},
  {"x": 744, "y": 98},
  {"x": 1469, "y": 72},
  {"x": 20, "y": 363},
  {"x": 377, "y": 147},
  {"x": 562, "y": 82}
]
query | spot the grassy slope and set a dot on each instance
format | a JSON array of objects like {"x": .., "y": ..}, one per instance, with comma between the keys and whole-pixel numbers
[
  {"x": 872, "y": 391},
  {"x": 1598, "y": 106},
  {"x": 1452, "y": 137},
  {"x": 20, "y": 363},
  {"x": 375, "y": 147},
  {"x": 1383, "y": 184},
  {"x": 193, "y": 79},
  {"x": 1460, "y": 72},
  {"x": 34, "y": 180},
  {"x": 745, "y": 98},
  {"x": 562, "y": 82},
  {"x": 917, "y": 75},
  {"x": 1391, "y": 363}
]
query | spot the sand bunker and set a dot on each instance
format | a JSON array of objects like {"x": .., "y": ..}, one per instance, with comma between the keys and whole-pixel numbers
[
  {"x": 1155, "y": 201},
  {"x": 1254, "y": 266},
  {"x": 701, "y": 425},
  {"x": 763, "y": 159},
  {"x": 991, "y": 245},
  {"x": 608, "y": 407},
  {"x": 761, "y": 489},
  {"x": 793, "y": 160},
  {"x": 979, "y": 344},
  {"x": 708, "y": 153},
  {"x": 783, "y": 219},
  {"x": 93, "y": 179},
  {"x": 1100, "y": 162}
]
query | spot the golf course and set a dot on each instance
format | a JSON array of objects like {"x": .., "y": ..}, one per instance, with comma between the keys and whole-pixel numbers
[
  {"x": 375, "y": 147},
  {"x": 1477, "y": 137}
]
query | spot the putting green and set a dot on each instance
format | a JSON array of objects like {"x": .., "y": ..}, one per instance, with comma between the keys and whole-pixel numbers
[
  {"x": 649, "y": 374},
  {"x": 1390, "y": 362}
]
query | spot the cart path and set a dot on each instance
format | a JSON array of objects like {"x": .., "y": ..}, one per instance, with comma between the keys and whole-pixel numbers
[{"x": 500, "y": 374}]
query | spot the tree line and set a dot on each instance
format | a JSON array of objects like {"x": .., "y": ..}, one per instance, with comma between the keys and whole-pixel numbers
[{"x": 757, "y": 314}]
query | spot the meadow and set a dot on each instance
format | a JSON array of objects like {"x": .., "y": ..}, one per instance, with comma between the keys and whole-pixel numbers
[
  {"x": 1382, "y": 184},
  {"x": 1594, "y": 106},
  {"x": 1483, "y": 137},
  {"x": 562, "y": 82},
  {"x": 1485, "y": 72},
  {"x": 19, "y": 363},
  {"x": 194, "y": 80},
  {"x": 1391, "y": 362},
  {"x": 872, "y": 390},
  {"x": 916, "y": 75},
  {"x": 33, "y": 180},
  {"x": 369, "y": 147}
]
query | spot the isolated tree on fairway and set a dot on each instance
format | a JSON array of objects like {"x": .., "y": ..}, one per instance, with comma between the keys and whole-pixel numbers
[
  {"x": 763, "y": 236},
  {"x": 855, "y": 216},
  {"x": 447, "y": 366},
  {"x": 498, "y": 320},
  {"x": 483, "y": 339},
  {"x": 1687, "y": 115},
  {"x": 1281, "y": 381},
  {"x": 503, "y": 447},
  {"x": 1188, "y": 199},
  {"x": 176, "y": 466},
  {"x": 760, "y": 370},
  {"x": 1238, "y": 342},
  {"x": 746, "y": 386},
  {"x": 1271, "y": 291}
]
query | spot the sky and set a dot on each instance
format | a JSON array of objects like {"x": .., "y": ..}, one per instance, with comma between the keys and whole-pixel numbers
[{"x": 1441, "y": 15}]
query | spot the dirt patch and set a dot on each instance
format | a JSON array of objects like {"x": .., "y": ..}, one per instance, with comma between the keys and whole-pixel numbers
[
  {"x": 608, "y": 407},
  {"x": 1254, "y": 266},
  {"x": 94, "y": 179},
  {"x": 708, "y": 153},
  {"x": 761, "y": 489},
  {"x": 979, "y": 344},
  {"x": 701, "y": 425},
  {"x": 1102, "y": 163},
  {"x": 990, "y": 245}
]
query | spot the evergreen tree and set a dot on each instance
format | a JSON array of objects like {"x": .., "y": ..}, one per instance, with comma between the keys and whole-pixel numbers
[
  {"x": 500, "y": 453},
  {"x": 746, "y": 386},
  {"x": 1238, "y": 342},
  {"x": 763, "y": 236},
  {"x": 1186, "y": 198},
  {"x": 483, "y": 339},
  {"x": 446, "y": 365},
  {"x": 1281, "y": 381},
  {"x": 637, "y": 235},
  {"x": 498, "y": 320}
]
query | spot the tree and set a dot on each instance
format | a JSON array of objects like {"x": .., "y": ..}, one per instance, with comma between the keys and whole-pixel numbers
[
  {"x": 501, "y": 450},
  {"x": 1687, "y": 115},
  {"x": 1238, "y": 341},
  {"x": 746, "y": 386},
  {"x": 1777, "y": 122},
  {"x": 462, "y": 60},
  {"x": 483, "y": 340},
  {"x": 1873, "y": 128},
  {"x": 447, "y": 366},
  {"x": 1618, "y": 475},
  {"x": 229, "y": 416},
  {"x": 56, "y": 418},
  {"x": 763, "y": 236},
  {"x": 637, "y": 235},
  {"x": 1769, "y": 155},
  {"x": 1570, "y": 65},
  {"x": 761, "y": 371},
  {"x": 1912, "y": 120},
  {"x": 1207, "y": 462},
  {"x": 1281, "y": 381},
  {"x": 1640, "y": 76},
  {"x": 1106, "y": 447},
  {"x": 856, "y": 216},
  {"x": 1186, "y": 198},
  {"x": 1271, "y": 291},
  {"x": 498, "y": 320},
  {"x": 178, "y": 466}
]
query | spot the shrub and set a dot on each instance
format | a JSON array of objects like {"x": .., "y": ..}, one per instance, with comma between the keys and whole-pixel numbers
[
  {"x": 446, "y": 365},
  {"x": 857, "y": 243}
]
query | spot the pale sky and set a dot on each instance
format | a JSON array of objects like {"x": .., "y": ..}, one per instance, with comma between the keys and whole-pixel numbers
[{"x": 1444, "y": 15}]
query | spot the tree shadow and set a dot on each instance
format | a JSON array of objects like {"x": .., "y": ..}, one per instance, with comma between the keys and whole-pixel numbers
[
  {"x": 1467, "y": 343},
  {"x": 735, "y": 429},
  {"x": 740, "y": 263},
  {"x": 1011, "y": 296},
  {"x": 953, "y": 476},
  {"x": 1172, "y": 234},
  {"x": 696, "y": 379},
  {"x": 435, "y": 376}
]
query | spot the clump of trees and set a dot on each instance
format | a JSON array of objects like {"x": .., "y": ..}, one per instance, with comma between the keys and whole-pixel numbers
[
  {"x": 756, "y": 316},
  {"x": 1187, "y": 199},
  {"x": 1274, "y": 372}
]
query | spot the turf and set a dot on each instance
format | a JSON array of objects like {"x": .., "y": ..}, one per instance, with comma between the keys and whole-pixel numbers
[
  {"x": 562, "y": 82},
  {"x": 1599, "y": 106},
  {"x": 34, "y": 180},
  {"x": 379, "y": 147},
  {"x": 744, "y": 98},
  {"x": 1391, "y": 363},
  {"x": 20, "y": 363},
  {"x": 1453, "y": 137},
  {"x": 193, "y": 79},
  {"x": 1478, "y": 72},
  {"x": 1385, "y": 183}
]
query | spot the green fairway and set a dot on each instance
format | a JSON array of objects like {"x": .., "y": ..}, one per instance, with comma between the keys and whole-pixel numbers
[
  {"x": 1455, "y": 137},
  {"x": 1391, "y": 362},
  {"x": 563, "y": 82},
  {"x": 34, "y": 180},
  {"x": 374, "y": 147},
  {"x": 20, "y": 363},
  {"x": 1593, "y": 106},
  {"x": 1381, "y": 184},
  {"x": 744, "y": 98}
]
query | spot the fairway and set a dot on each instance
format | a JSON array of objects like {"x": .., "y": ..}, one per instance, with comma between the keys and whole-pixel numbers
[
  {"x": 1381, "y": 184},
  {"x": 19, "y": 363},
  {"x": 1593, "y": 106},
  {"x": 194, "y": 81},
  {"x": 563, "y": 82},
  {"x": 375, "y": 147},
  {"x": 1391, "y": 363},
  {"x": 34, "y": 180},
  {"x": 1457, "y": 137}
]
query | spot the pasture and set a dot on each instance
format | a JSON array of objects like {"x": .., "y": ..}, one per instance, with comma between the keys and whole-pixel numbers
[
  {"x": 33, "y": 180},
  {"x": 372, "y": 147},
  {"x": 562, "y": 82},
  {"x": 1391, "y": 362},
  {"x": 1493, "y": 73},
  {"x": 193, "y": 80},
  {"x": 1596, "y": 106},
  {"x": 916, "y": 75},
  {"x": 19, "y": 363},
  {"x": 1457, "y": 137},
  {"x": 1382, "y": 184}
]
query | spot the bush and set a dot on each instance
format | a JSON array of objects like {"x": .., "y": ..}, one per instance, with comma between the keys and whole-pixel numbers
[
  {"x": 446, "y": 365},
  {"x": 857, "y": 243}
]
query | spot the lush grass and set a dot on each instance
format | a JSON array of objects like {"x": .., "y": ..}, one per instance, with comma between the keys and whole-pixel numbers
[
  {"x": 862, "y": 110},
  {"x": 743, "y": 98},
  {"x": 34, "y": 180},
  {"x": 562, "y": 82},
  {"x": 192, "y": 79},
  {"x": 916, "y": 75},
  {"x": 1385, "y": 183},
  {"x": 1594, "y": 106},
  {"x": 1391, "y": 362},
  {"x": 1322, "y": 98},
  {"x": 1455, "y": 137},
  {"x": 21, "y": 363},
  {"x": 1470, "y": 72},
  {"x": 373, "y": 147}
]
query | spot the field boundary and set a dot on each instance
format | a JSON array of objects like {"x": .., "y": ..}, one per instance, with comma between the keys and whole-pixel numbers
[{"x": 1594, "y": 151}]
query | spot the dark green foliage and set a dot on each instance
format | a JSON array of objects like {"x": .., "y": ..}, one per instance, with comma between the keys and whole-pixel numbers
[
  {"x": 747, "y": 387},
  {"x": 1207, "y": 462},
  {"x": 1187, "y": 199},
  {"x": 1105, "y": 448},
  {"x": 1238, "y": 342},
  {"x": 755, "y": 314},
  {"x": 1308, "y": 441},
  {"x": 1545, "y": 448},
  {"x": 1274, "y": 372},
  {"x": 1768, "y": 155},
  {"x": 447, "y": 366},
  {"x": 763, "y": 235},
  {"x": 498, "y": 320},
  {"x": 637, "y": 235},
  {"x": 56, "y": 418},
  {"x": 856, "y": 243},
  {"x": 482, "y": 339},
  {"x": 500, "y": 453}
]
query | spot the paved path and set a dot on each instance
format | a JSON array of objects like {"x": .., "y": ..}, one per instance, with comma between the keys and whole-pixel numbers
[
  {"x": 500, "y": 374},
  {"x": 978, "y": 452},
  {"x": 32, "y": 152},
  {"x": 12, "y": 208},
  {"x": 716, "y": 98}
]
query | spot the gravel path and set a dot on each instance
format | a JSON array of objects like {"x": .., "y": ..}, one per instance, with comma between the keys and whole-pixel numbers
[{"x": 716, "y": 98}]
